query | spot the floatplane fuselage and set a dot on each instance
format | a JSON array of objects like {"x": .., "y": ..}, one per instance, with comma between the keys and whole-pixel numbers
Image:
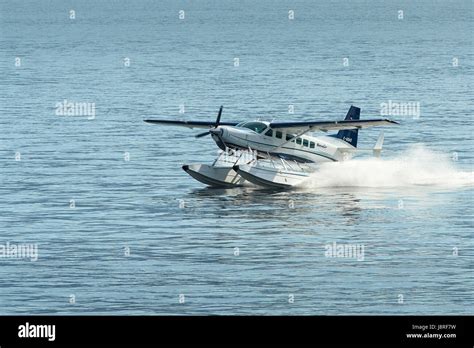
[
  {"x": 260, "y": 137},
  {"x": 281, "y": 142}
]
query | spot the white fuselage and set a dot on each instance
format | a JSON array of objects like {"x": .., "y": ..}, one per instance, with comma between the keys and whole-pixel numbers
[{"x": 260, "y": 137}]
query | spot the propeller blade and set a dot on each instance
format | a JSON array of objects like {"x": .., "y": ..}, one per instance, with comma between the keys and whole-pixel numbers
[
  {"x": 200, "y": 135},
  {"x": 218, "y": 120},
  {"x": 222, "y": 140}
]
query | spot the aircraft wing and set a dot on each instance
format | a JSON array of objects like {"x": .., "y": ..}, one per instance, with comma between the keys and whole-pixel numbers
[
  {"x": 332, "y": 125},
  {"x": 191, "y": 124}
]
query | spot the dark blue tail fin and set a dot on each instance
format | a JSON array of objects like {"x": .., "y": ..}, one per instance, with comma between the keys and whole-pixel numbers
[{"x": 350, "y": 135}]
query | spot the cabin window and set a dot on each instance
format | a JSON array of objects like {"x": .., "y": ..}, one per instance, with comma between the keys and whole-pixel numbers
[
  {"x": 305, "y": 142},
  {"x": 289, "y": 136},
  {"x": 257, "y": 127},
  {"x": 311, "y": 144},
  {"x": 269, "y": 133},
  {"x": 298, "y": 141},
  {"x": 279, "y": 134}
]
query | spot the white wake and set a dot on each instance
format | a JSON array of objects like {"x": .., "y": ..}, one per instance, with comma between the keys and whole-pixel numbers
[{"x": 415, "y": 166}]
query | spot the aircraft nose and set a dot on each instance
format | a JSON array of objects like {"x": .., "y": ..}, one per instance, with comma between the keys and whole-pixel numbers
[{"x": 217, "y": 131}]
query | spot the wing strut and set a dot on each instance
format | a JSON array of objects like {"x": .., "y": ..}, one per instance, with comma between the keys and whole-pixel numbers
[{"x": 296, "y": 136}]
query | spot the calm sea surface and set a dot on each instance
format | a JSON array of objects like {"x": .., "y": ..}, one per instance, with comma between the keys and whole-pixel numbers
[{"x": 110, "y": 232}]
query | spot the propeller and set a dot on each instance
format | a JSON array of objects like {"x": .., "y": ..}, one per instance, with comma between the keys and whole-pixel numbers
[
  {"x": 218, "y": 120},
  {"x": 200, "y": 135}
]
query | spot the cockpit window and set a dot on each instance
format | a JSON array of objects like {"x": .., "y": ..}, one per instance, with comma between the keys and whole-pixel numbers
[{"x": 258, "y": 127}]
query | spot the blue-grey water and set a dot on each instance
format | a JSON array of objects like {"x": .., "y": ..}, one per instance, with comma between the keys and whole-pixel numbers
[{"x": 139, "y": 236}]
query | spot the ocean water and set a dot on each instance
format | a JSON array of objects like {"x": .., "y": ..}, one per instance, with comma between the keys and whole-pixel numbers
[{"x": 121, "y": 229}]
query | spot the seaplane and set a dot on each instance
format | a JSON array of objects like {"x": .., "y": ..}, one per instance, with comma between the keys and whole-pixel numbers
[{"x": 276, "y": 154}]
